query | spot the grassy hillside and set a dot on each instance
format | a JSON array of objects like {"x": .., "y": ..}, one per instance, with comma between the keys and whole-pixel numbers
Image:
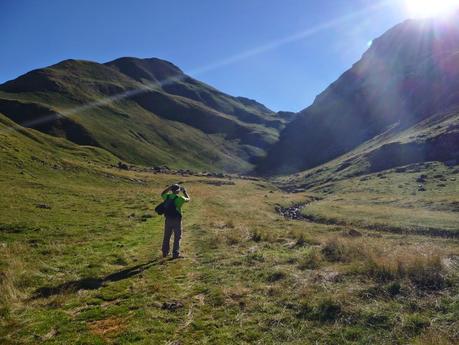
[
  {"x": 80, "y": 263},
  {"x": 143, "y": 111}
]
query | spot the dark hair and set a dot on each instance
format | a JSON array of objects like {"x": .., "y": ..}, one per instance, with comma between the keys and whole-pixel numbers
[{"x": 175, "y": 187}]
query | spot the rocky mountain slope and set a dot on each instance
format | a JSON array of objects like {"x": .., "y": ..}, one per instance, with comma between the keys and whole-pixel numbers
[
  {"x": 405, "y": 83},
  {"x": 145, "y": 111}
]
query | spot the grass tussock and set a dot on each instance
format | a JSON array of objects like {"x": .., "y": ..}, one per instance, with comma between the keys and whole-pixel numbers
[
  {"x": 425, "y": 272},
  {"x": 301, "y": 239},
  {"x": 423, "y": 267},
  {"x": 237, "y": 235},
  {"x": 276, "y": 276},
  {"x": 11, "y": 278},
  {"x": 342, "y": 250},
  {"x": 434, "y": 337},
  {"x": 325, "y": 310}
]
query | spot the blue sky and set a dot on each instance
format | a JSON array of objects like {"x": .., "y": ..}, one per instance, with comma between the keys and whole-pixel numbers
[{"x": 281, "y": 53}]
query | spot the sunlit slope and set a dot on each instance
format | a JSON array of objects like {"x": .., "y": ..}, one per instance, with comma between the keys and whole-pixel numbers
[
  {"x": 167, "y": 118},
  {"x": 407, "y": 75}
]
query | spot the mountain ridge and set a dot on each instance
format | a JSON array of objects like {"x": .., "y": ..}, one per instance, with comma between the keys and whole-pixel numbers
[
  {"x": 145, "y": 111},
  {"x": 148, "y": 111}
]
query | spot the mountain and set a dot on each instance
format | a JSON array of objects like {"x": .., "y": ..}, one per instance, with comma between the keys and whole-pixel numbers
[
  {"x": 407, "y": 82},
  {"x": 145, "y": 111}
]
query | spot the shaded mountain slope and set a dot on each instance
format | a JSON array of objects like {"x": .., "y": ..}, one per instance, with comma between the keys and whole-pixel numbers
[
  {"x": 409, "y": 73},
  {"x": 146, "y": 111},
  {"x": 434, "y": 139}
]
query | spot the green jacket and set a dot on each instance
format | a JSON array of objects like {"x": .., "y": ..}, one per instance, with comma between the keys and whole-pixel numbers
[{"x": 179, "y": 200}]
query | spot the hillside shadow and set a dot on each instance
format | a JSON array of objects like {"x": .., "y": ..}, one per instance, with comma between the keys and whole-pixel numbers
[{"x": 93, "y": 283}]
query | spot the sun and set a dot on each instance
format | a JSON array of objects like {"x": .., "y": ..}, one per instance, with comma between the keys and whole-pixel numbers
[{"x": 431, "y": 8}]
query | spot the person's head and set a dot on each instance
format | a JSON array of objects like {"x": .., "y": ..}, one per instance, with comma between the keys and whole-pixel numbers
[{"x": 175, "y": 188}]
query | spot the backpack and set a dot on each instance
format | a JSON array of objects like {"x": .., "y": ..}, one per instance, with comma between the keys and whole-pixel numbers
[{"x": 167, "y": 208}]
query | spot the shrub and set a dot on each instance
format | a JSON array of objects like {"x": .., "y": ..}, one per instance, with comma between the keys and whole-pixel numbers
[
  {"x": 381, "y": 270},
  {"x": 230, "y": 224},
  {"x": 232, "y": 239}
]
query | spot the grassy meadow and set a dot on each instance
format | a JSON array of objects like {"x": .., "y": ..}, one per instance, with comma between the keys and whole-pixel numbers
[
  {"x": 422, "y": 198},
  {"x": 80, "y": 257}
]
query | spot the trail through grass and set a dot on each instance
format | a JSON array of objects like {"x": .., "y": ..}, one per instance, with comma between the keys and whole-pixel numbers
[{"x": 80, "y": 264}]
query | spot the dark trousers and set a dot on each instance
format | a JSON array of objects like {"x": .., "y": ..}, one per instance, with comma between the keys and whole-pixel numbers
[{"x": 172, "y": 225}]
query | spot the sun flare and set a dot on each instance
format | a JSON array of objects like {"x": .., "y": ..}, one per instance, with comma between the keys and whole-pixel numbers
[{"x": 431, "y": 8}]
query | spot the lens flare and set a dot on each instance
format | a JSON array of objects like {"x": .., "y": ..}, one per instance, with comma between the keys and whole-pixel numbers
[{"x": 431, "y": 8}]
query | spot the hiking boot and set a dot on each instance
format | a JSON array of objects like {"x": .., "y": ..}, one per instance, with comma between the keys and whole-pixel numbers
[{"x": 177, "y": 256}]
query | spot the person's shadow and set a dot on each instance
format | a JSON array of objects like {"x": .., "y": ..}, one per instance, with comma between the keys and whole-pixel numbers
[{"x": 93, "y": 283}]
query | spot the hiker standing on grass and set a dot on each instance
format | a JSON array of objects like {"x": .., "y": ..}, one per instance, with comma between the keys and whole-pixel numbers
[{"x": 173, "y": 203}]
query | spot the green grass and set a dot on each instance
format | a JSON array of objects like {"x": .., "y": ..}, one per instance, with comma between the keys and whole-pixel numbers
[
  {"x": 80, "y": 259},
  {"x": 392, "y": 201}
]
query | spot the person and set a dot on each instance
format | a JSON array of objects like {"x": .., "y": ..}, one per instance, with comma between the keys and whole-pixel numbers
[{"x": 173, "y": 222}]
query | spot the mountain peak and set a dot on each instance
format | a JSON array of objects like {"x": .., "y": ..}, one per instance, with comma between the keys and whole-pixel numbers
[
  {"x": 415, "y": 39},
  {"x": 149, "y": 69}
]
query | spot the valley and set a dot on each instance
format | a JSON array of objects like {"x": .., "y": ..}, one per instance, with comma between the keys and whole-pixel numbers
[
  {"x": 338, "y": 224},
  {"x": 80, "y": 258}
]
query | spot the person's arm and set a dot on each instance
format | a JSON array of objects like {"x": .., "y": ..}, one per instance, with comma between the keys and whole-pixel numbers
[
  {"x": 166, "y": 190},
  {"x": 185, "y": 193}
]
